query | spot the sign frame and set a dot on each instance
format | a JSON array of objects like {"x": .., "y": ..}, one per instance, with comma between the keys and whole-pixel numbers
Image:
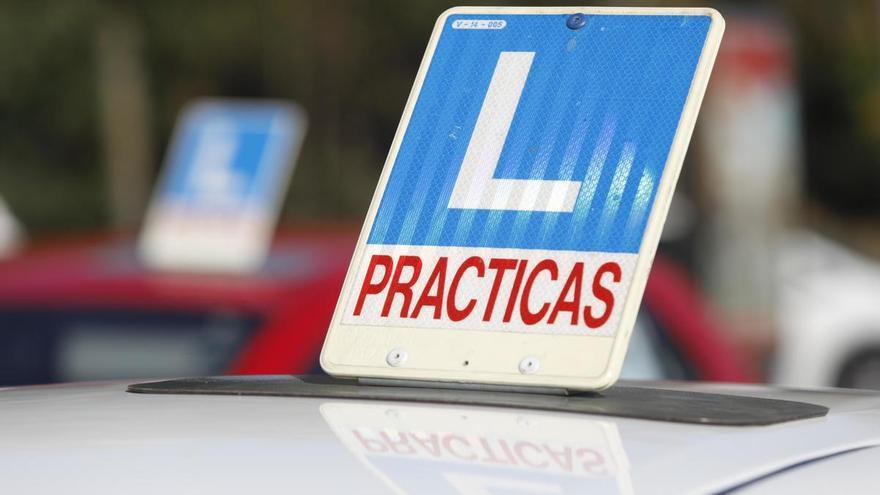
[{"x": 572, "y": 362}]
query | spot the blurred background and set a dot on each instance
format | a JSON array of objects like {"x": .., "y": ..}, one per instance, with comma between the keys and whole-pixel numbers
[{"x": 769, "y": 269}]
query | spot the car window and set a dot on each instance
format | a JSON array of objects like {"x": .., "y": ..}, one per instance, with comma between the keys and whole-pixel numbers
[
  {"x": 73, "y": 345},
  {"x": 650, "y": 355}
]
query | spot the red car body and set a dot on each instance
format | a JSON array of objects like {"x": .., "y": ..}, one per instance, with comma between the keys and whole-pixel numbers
[{"x": 294, "y": 296}]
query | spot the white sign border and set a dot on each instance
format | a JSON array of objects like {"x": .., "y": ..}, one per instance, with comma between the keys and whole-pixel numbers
[{"x": 466, "y": 356}]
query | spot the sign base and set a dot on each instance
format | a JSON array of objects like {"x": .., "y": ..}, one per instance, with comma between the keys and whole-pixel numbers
[{"x": 484, "y": 387}]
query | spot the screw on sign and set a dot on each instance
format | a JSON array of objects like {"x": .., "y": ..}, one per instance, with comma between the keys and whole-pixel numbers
[
  {"x": 396, "y": 357},
  {"x": 523, "y": 197}
]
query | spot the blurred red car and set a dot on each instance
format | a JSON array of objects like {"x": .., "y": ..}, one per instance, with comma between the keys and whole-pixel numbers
[{"x": 86, "y": 309}]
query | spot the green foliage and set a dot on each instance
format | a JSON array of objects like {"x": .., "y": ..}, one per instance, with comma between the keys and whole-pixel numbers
[
  {"x": 349, "y": 63},
  {"x": 48, "y": 152}
]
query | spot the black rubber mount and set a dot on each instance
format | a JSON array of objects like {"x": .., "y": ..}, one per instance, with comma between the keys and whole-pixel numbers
[{"x": 621, "y": 401}]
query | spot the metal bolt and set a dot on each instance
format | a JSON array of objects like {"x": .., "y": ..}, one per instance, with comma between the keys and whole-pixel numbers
[
  {"x": 396, "y": 357},
  {"x": 529, "y": 365},
  {"x": 576, "y": 21}
]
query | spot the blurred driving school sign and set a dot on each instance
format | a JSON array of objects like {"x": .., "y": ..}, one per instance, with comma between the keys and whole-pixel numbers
[
  {"x": 520, "y": 207},
  {"x": 223, "y": 182}
]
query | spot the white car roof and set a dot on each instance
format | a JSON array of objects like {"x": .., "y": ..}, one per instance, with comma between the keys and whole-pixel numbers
[{"x": 97, "y": 438}]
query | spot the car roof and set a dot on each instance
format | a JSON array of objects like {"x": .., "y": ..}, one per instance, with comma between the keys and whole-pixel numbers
[{"x": 97, "y": 437}]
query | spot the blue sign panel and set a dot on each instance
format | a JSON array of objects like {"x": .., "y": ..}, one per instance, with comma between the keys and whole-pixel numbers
[
  {"x": 231, "y": 156},
  {"x": 530, "y": 134}
]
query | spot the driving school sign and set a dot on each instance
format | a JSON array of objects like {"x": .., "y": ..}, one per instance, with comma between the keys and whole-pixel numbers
[
  {"x": 518, "y": 212},
  {"x": 223, "y": 183}
]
